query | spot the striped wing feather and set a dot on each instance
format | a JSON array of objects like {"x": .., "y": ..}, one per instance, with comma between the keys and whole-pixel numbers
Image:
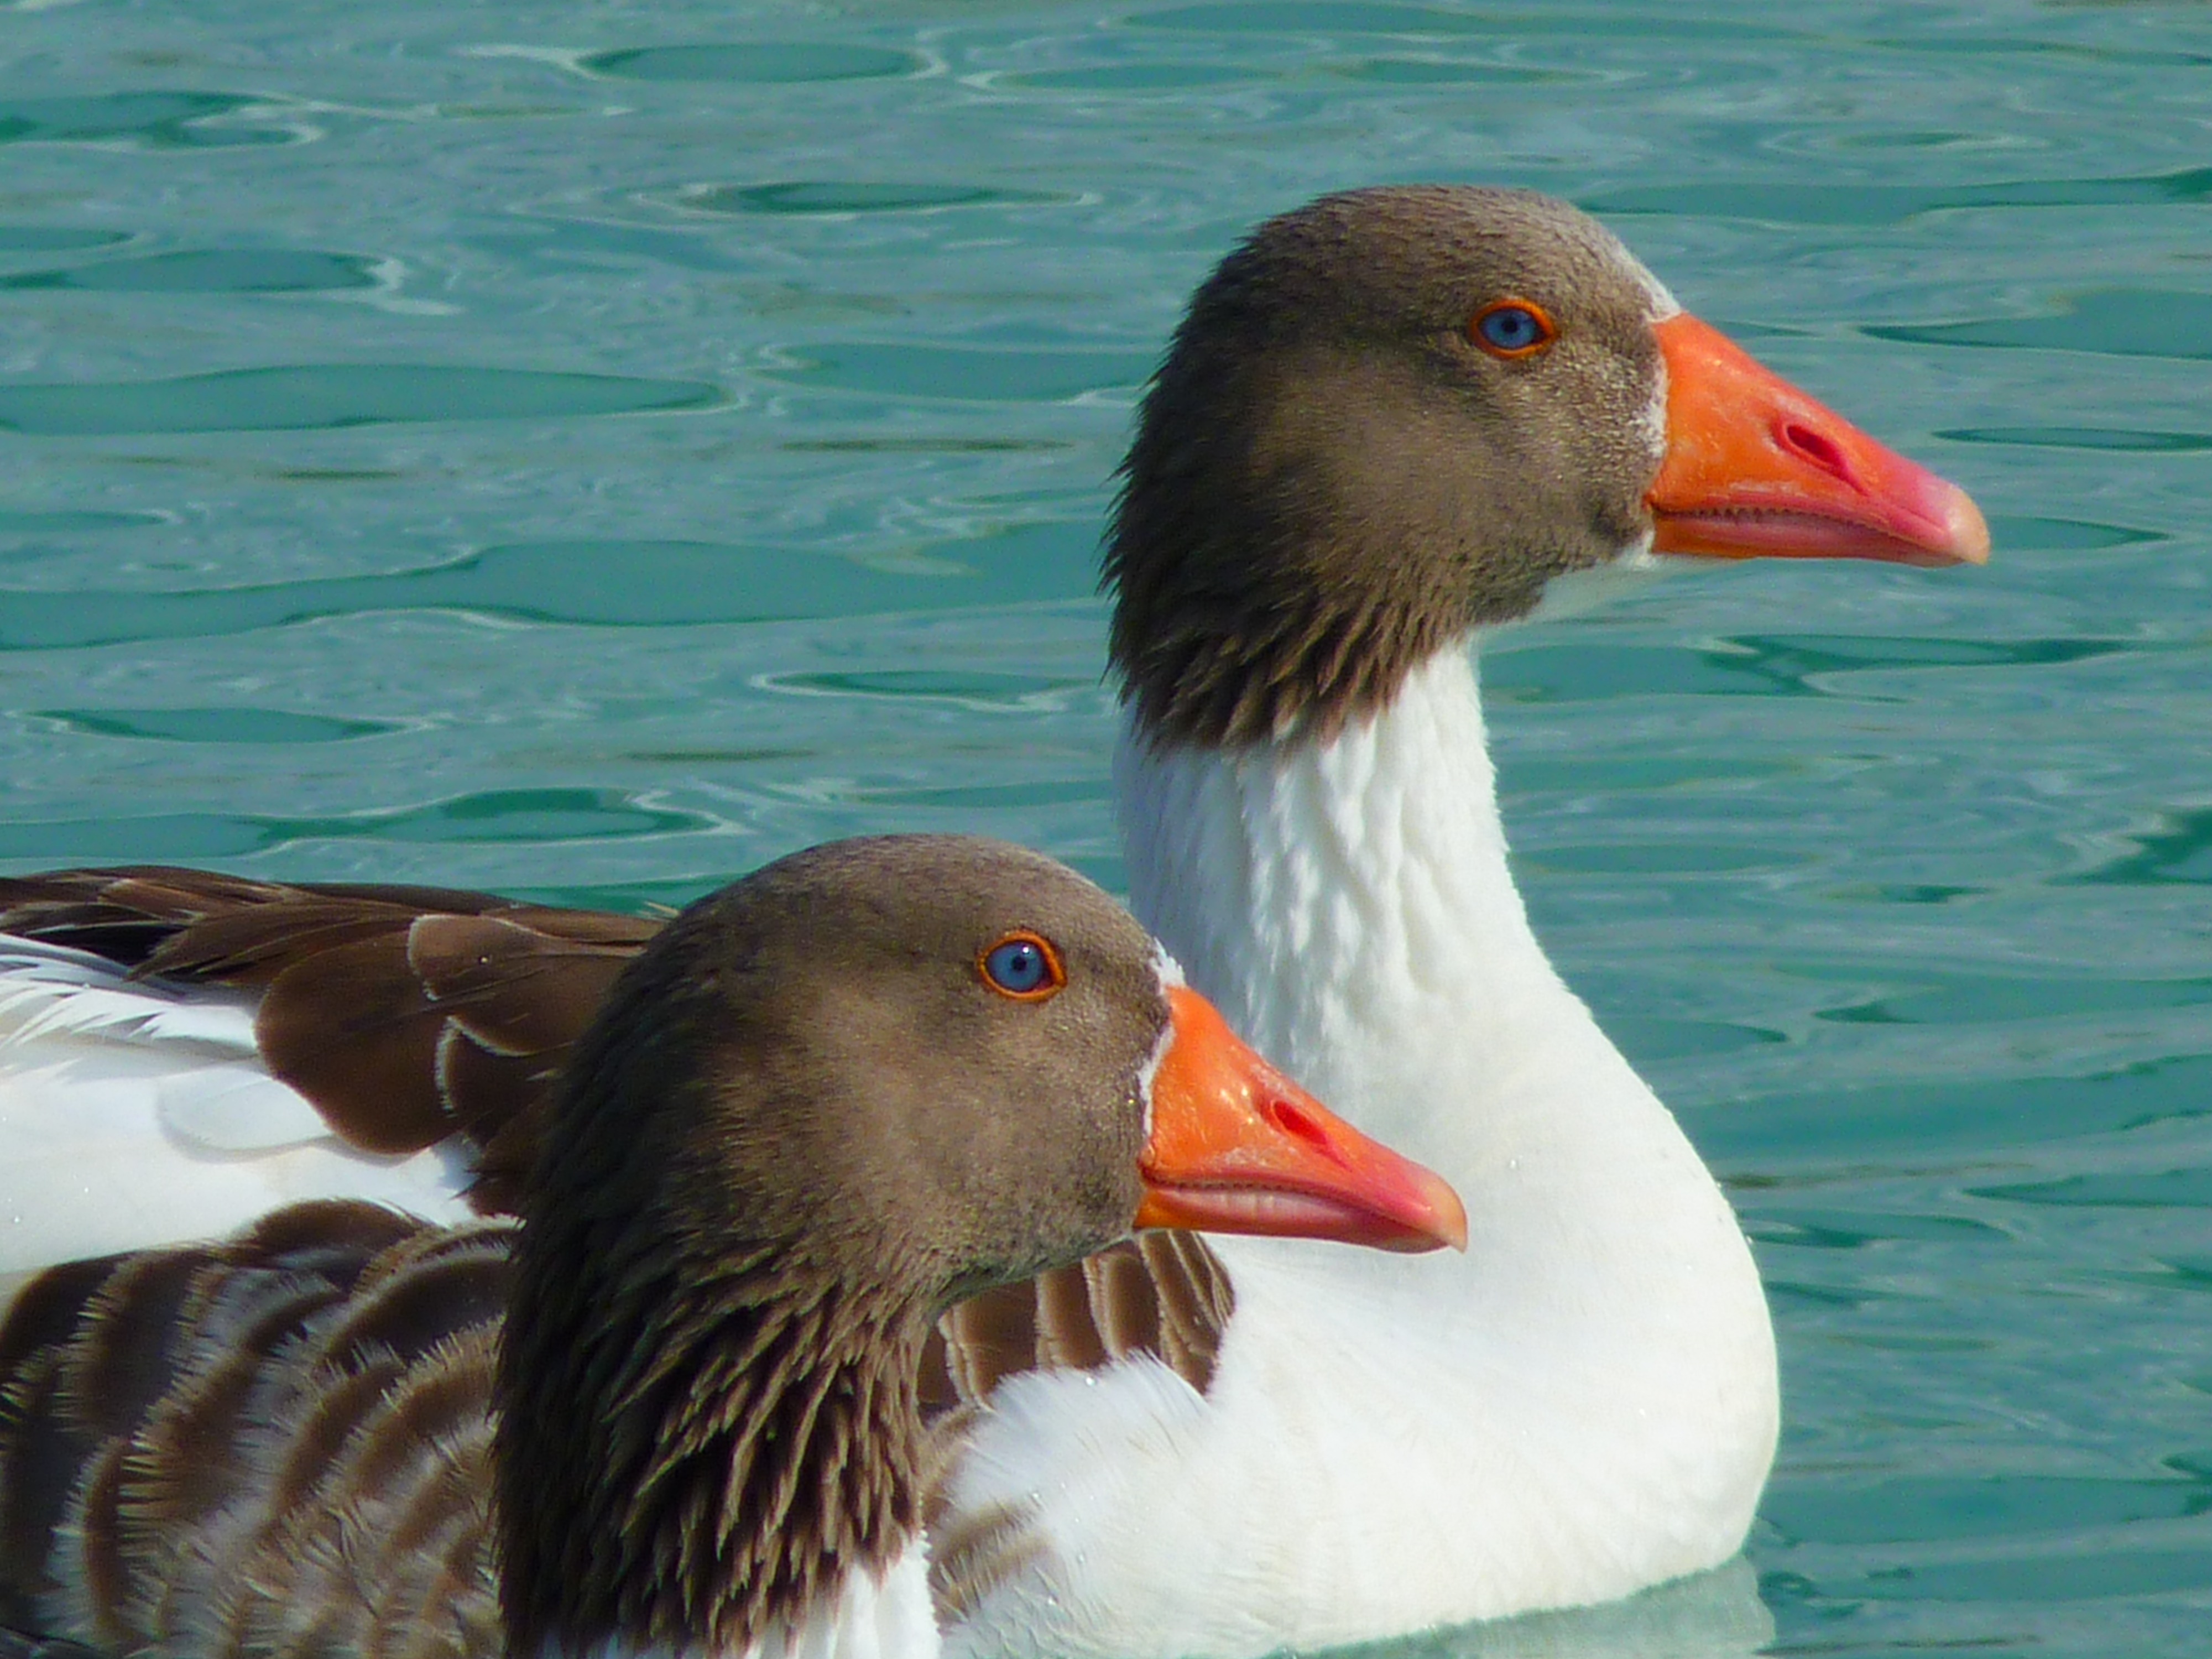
[
  {"x": 16, "y": 1644},
  {"x": 277, "y": 1445},
  {"x": 1161, "y": 1294},
  {"x": 280, "y": 1445}
]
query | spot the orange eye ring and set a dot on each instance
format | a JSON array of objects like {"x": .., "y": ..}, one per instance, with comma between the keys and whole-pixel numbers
[
  {"x": 1022, "y": 967},
  {"x": 1512, "y": 328}
]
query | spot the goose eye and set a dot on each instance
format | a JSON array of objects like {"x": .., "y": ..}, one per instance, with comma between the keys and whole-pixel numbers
[
  {"x": 1512, "y": 328},
  {"x": 1023, "y": 966}
]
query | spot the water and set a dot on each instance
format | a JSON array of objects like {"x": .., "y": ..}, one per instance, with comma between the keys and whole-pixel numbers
[{"x": 587, "y": 450}]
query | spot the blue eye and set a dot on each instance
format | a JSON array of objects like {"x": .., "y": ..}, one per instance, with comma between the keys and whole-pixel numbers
[
  {"x": 1016, "y": 966},
  {"x": 1512, "y": 328},
  {"x": 1024, "y": 966}
]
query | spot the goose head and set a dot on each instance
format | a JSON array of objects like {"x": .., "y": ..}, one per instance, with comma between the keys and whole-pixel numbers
[
  {"x": 1397, "y": 414},
  {"x": 823, "y": 1105}
]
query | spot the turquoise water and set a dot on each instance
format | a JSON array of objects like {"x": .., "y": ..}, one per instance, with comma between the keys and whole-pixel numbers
[{"x": 587, "y": 452}]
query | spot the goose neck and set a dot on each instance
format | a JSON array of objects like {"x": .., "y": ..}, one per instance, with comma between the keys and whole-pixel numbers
[
  {"x": 697, "y": 1458},
  {"x": 1341, "y": 896}
]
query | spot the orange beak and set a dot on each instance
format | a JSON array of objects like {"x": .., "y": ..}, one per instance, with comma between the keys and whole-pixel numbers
[
  {"x": 1236, "y": 1147},
  {"x": 1754, "y": 467}
]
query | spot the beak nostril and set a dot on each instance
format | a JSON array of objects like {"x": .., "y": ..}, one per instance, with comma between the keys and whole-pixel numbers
[
  {"x": 1807, "y": 445},
  {"x": 1295, "y": 1122}
]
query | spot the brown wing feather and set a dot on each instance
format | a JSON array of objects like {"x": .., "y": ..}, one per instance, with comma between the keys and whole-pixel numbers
[
  {"x": 277, "y": 1445},
  {"x": 280, "y": 1446},
  {"x": 405, "y": 1014},
  {"x": 16, "y": 1644},
  {"x": 354, "y": 1030},
  {"x": 1161, "y": 1294}
]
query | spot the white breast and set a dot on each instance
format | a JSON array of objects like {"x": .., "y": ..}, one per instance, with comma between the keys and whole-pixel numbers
[{"x": 1582, "y": 1404}]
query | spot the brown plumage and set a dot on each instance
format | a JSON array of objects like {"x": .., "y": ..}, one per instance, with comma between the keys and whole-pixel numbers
[
  {"x": 796, "y": 1133},
  {"x": 1330, "y": 481},
  {"x": 1161, "y": 1295},
  {"x": 276, "y": 1445},
  {"x": 407, "y": 1015}
]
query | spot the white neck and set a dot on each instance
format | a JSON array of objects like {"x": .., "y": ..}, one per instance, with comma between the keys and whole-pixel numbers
[{"x": 1349, "y": 906}]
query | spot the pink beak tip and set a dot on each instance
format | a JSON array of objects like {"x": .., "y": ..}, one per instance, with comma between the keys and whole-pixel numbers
[{"x": 1969, "y": 530}]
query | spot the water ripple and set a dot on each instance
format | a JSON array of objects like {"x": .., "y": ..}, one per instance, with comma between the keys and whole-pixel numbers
[
  {"x": 822, "y": 196},
  {"x": 757, "y": 63},
  {"x": 157, "y": 120},
  {"x": 2116, "y": 322},
  {"x": 1817, "y": 202},
  {"x": 214, "y": 270},
  {"x": 601, "y": 583},
  {"x": 336, "y": 395},
  {"x": 2151, "y": 442}
]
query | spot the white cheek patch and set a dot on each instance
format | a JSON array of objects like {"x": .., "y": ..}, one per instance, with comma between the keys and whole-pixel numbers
[
  {"x": 1170, "y": 973},
  {"x": 1651, "y": 424},
  {"x": 1663, "y": 302},
  {"x": 1168, "y": 969}
]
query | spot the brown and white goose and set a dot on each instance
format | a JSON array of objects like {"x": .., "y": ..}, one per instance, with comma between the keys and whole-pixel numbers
[
  {"x": 678, "y": 1412},
  {"x": 1392, "y": 420}
]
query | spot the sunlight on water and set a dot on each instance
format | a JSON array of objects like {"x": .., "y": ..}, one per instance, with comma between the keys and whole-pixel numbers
[{"x": 588, "y": 451}]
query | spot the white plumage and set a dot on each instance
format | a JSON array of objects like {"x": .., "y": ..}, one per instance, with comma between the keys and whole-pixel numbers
[
  {"x": 1584, "y": 1404},
  {"x": 135, "y": 1114},
  {"x": 870, "y": 1617}
]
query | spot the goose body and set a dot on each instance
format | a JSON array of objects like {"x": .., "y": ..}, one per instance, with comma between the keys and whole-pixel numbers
[
  {"x": 1384, "y": 948},
  {"x": 1391, "y": 422},
  {"x": 678, "y": 1410}
]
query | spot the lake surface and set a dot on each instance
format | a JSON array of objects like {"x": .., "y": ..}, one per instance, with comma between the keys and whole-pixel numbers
[{"x": 588, "y": 451}]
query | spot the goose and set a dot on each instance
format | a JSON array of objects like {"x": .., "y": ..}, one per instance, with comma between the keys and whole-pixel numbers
[
  {"x": 1391, "y": 422},
  {"x": 676, "y": 1410}
]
